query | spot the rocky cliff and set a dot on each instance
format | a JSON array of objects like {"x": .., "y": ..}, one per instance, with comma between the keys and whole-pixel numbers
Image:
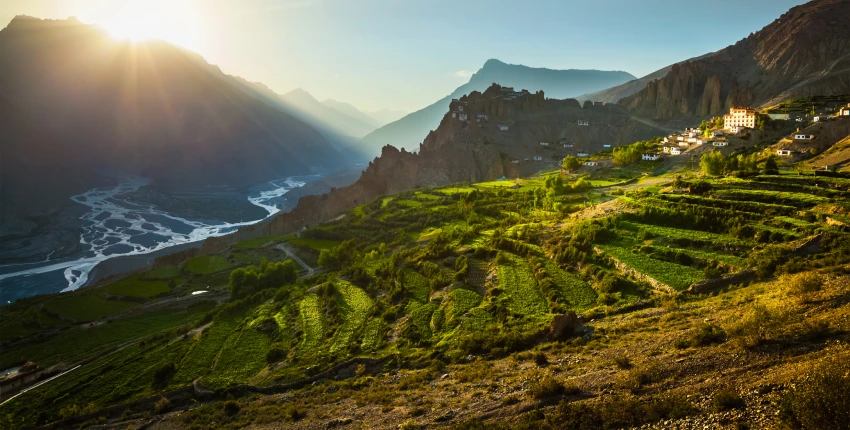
[
  {"x": 471, "y": 144},
  {"x": 804, "y": 52}
]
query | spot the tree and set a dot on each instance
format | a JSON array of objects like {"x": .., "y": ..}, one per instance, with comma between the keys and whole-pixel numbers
[
  {"x": 771, "y": 167},
  {"x": 712, "y": 163},
  {"x": 570, "y": 163}
]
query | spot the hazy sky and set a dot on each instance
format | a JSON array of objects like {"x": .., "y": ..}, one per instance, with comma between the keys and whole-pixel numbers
[{"x": 404, "y": 54}]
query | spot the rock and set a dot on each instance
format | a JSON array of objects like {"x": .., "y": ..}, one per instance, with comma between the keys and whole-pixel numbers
[{"x": 565, "y": 326}]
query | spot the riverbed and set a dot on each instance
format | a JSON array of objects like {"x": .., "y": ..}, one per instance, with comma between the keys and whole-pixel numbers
[{"x": 117, "y": 222}]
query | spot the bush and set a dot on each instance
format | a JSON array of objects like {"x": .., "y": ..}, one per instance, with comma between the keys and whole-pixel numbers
[
  {"x": 801, "y": 284},
  {"x": 162, "y": 405},
  {"x": 726, "y": 399},
  {"x": 623, "y": 362},
  {"x": 757, "y": 325},
  {"x": 540, "y": 359},
  {"x": 541, "y": 387},
  {"x": 820, "y": 399},
  {"x": 618, "y": 412}
]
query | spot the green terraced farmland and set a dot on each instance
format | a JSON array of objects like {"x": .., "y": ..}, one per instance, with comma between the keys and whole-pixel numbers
[
  {"x": 677, "y": 276},
  {"x": 581, "y": 295},
  {"x": 519, "y": 285},
  {"x": 680, "y": 233},
  {"x": 354, "y": 305},
  {"x": 242, "y": 356},
  {"x": 136, "y": 286},
  {"x": 206, "y": 264},
  {"x": 312, "y": 324}
]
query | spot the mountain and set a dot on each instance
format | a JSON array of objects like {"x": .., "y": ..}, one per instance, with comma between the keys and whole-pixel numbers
[
  {"x": 353, "y": 112},
  {"x": 386, "y": 116},
  {"x": 470, "y": 150},
  {"x": 614, "y": 94},
  {"x": 409, "y": 131},
  {"x": 804, "y": 52},
  {"x": 322, "y": 115},
  {"x": 77, "y": 103}
]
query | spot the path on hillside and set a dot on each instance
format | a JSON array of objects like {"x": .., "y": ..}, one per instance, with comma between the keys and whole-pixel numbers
[{"x": 310, "y": 271}]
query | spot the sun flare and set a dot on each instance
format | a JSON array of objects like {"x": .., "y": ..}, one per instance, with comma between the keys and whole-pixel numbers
[{"x": 171, "y": 21}]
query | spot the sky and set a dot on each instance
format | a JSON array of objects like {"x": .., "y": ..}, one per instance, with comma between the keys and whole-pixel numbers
[{"x": 405, "y": 54}]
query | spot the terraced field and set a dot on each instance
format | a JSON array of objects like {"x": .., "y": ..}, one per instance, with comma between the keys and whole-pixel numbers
[
  {"x": 517, "y": 281},
  {"x": 580, "y": 295},
  {"x": 312, "y": 324},
  {"x": 677, "y": 276},
  {"x": 354, "y": 307}
]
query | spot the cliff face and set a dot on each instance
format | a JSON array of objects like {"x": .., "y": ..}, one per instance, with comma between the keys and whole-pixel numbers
[
  {"x": 470, "y": 145},
  {"x": 804, "y": 52}
]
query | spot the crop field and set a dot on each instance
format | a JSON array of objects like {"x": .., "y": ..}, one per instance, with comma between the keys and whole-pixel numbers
[
  {"x": 164, "y": 272},
  {"x": 415, "y": 284},
  {"x": 782, "y": 231},
  {"x": 242, "y": 258},
  {"x": 242, "y": 356},
  {"x": 520, "y": 287},
  {"x": 581, "y": 295},
  {"x": 78, "y": 343},
  {"x": 456, "y": 190},
  {"x": 796, "y": 222},
  {"x": 354, "y": 305},
  {"x": 425, "y": 196},
  {"x": 312, "y": 324},
  {"x": 199, "y": 360},
  {"x": 136, "y": 286},
  {"x": 496, "y": 184},
  {"x": 727, "y": 258},
  {"x": 317, "y": 244},
  {"x": 409, "y": 203},
  {"x": 677, "y": 276},
  {"x": 680, "y": 233},
  {"x": 457, "y": 303},
  {"x": 87, "y": 307},
  {"x": 206, "y": 264},
  {"x": 374, "y": 334},
  {"x": 775, "y": 197},
  {"x": 420, "y": 318}
]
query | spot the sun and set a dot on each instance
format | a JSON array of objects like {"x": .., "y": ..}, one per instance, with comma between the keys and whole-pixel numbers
[{"x": 172, "y": 21}]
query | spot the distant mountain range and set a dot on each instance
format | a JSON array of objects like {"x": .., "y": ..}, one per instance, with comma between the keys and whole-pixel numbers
[
  {"x": 409, "y": 131},
  {"x": 804, "y": 52},
  {"x": 76, "y": 103}
]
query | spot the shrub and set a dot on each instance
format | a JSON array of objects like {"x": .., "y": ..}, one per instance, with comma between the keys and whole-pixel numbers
[
  {"x": 541, "y": 387},
  {"x": 618, "y": 412},
  {"x": 274, "y": 355},
  {"x": 820, "y": 399},
  {"x": 708, "y": 334},
  {"x": 757, "y": 325},
  {"x": 162, "y": 405},
  {"x": 726, "y": 399},
  {"x": 540, "y": 359},
  {"x": 292, "y": 413},
  {"x": 622, "y": 362},
  {"x": 801, "y": 284}
]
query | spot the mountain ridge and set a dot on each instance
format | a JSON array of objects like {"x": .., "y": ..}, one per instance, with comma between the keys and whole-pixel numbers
[{"x": 409, "y": 131}]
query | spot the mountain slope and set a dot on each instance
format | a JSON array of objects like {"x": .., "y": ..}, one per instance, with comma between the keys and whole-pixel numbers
[
  {"x": 322, "y": 115},
  {"x": 94, "y": 104},
  {"x": 353, "y": 112},
  {"x": 386, "y": 116},
  {"x": 804, "y": 52},
  {"x": 409, "y": 131}
]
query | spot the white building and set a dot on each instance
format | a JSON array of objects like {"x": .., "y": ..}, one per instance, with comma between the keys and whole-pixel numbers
[
  {"x": 544, "y": 143},
  {"x": 720, "y": 143},
  {"x": 684, "y": 144},
  {"x": 515, "y": 161},
  {"x": 680, "y": 138},
  {"x": 845, "y": 111},
  {"x": 666, "y": 149},
  {"x": 538, "y": 158},
  {"x": 692, "y": 140},
  {"x": 675, "y": 151},
  {"x": 481, "y": 116},
  {"x": 460, "y": 108},
  {"x": 583, "y": 122},
  {"x": 690, "y": 134},
  {"x": 801, "y": 136},
  {"x": 582, "y": 154},
  {"x": 650, "y": 157},
  {"x": 783, "y": 152},
  {"x": 819, "y": 118},
  {"x": 739, "y": 117},
  {"x": 454, "y": 114},
  {"x": 699, "y": 142},
  {"x": 591, "y": 163},
  {"x": 717, "y": 133},
  {"x": 606, "y": 146},
  {"x": 503, "y": 128},
  {"x": 462, "y": 116},
  {"x": 666, "y": 140},
  {"x": 735, "y": 129}
]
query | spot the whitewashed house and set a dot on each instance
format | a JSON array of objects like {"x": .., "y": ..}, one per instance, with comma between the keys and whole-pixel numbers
[
  {"x": 606, "y": 146},
  {"x": 684, "y": 144},
  {"x": 675, "y": 151},
  {"x": 783, "y": 152},
  {"x": 719, "y": 143},
  {"x": 650, "y": 157},
  {"x": 802, "y": 136},
  {"x": 680, "y": 138},
  {"x": 844, "y": 111},
  {"x": 583, "y": 122},
  {"x": 538, "y": 158},
  {"x": 666, "y": 140},
  {"x": 454, "y": 114},
  {"x": 582, "y": 154},
  {"x": 692, "y": 140},
  {"x": 480, "y": 116},
  {"x": 460, "y": 108},
  {"x": 591, "y": 163},
  {"x": 735, "y": 129},
  {"x": 544, "y": 143},
  {"x": 503, "y": 128},
  {"x": 666, "y": 149},
  {"x": 515, "y": 161},
  {"x": 462, "y": 116},
  {"x": 819, "y": 118}
]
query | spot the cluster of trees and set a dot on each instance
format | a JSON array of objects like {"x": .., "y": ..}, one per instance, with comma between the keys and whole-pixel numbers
[
  {"x": 246, "y": 281},
  {"x": 631, "y": 154},
  {"x": 340, "y": 256},
  {"x": 715, "y": 163},
  {"x": 706, "y": 127}
]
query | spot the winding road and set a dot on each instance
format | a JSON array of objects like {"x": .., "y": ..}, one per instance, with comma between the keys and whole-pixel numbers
[{"x": 310, "y": 271}]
